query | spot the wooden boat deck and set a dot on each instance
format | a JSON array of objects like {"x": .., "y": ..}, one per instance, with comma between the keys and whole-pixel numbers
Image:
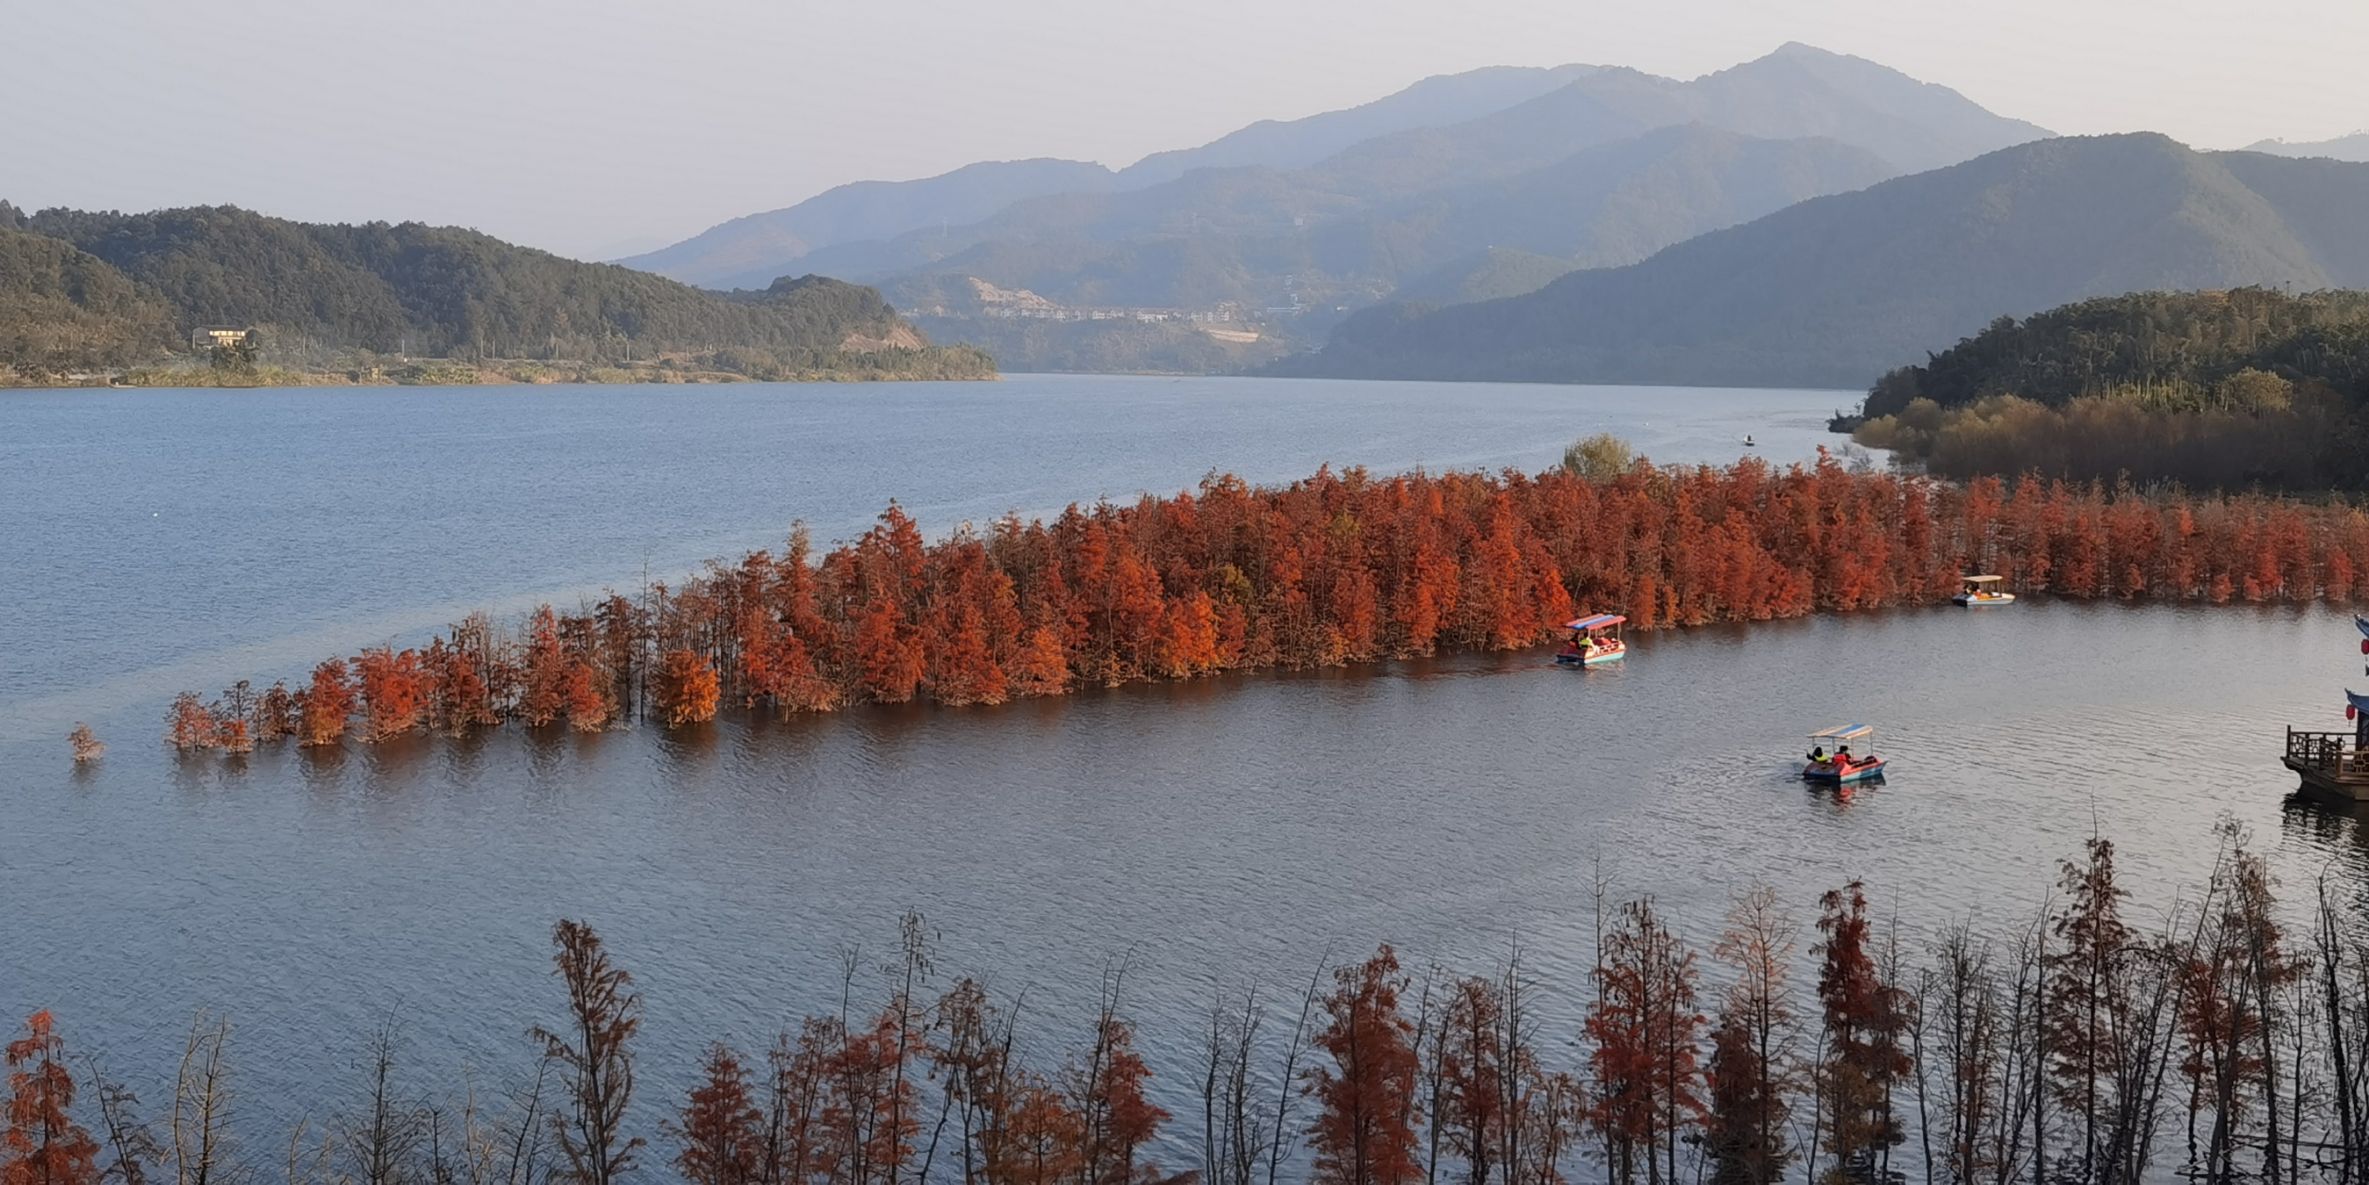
[{"x": 2331, "y": 763}]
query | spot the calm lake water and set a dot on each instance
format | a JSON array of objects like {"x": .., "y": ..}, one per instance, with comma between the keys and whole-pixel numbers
[{"x": 1216, "y": 833}]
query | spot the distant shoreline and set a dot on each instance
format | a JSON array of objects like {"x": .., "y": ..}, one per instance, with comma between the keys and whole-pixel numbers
[{"x": 501, "y": 373}]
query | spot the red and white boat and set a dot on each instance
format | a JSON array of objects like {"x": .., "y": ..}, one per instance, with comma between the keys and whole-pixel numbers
[{"x": 1832, "y": 761}]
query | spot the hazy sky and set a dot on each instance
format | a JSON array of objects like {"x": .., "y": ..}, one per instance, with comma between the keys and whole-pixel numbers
[{"x": 595, "y": 128}]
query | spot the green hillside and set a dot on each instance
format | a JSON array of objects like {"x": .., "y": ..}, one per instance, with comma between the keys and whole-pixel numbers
[{"x": 420, "y": 290}]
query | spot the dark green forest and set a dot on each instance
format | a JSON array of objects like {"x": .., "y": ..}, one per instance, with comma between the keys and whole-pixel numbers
[
  {"x": 2225, "y": 389},
  {"x": 83, "y": 290}
]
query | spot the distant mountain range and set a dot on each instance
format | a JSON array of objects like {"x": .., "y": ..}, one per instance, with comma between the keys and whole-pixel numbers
[
  {"x": 81, "y": 290},
  {"x": 1609, "y": 204},
  {"x": 1836, "y": 290},
  {"x": 1291, "y": 225},
  {"x": 2354, "y": 147},
  {"x": 731, "y": 254}
]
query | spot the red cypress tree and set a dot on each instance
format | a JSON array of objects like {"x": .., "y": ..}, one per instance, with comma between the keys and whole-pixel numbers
[
  {"x": 720, "y": 1135},
  {"x": 1364, "y": 1132},
  {"x": 1041, "y": 667},
  {"x": 1646, "y": 1029},
  {"x": 190, "y": 725},
  {"x": 459, "y": 698},
  {"x": 688, "y": 689},
  {"x": 543, "y": 689},
  {"x": 328, "y": 705},
  {"x": 43, "y": 1145},
  {"x": 1865, "y": 1017},
  {"x": 394, "y": 692},
  {"x": 889, "y": 657},
  {"x": 585, "y": 698}
]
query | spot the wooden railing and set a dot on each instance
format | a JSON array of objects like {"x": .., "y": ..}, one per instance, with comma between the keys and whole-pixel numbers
[{"x": 2335, "y": 754}]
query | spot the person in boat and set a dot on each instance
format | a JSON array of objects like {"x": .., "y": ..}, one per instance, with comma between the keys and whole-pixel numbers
[
  {"x": 1842, "y": 756},
  {"x": 1817, "y": 754}
]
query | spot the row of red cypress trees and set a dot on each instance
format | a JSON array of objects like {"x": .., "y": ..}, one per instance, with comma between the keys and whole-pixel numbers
[{"x": 1339, "y": 568}]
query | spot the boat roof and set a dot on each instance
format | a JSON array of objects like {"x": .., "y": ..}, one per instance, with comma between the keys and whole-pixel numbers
[
  {"x": 2362, "y": 623},
  {"x": 2357, "y": 700},
  {"x": 1984, "y": 579},
  {"x": 1844, "y": 732},
  {"x": 1599, "y": 621}
]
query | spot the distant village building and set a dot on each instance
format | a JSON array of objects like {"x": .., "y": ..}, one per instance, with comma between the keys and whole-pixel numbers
[{"x": 219, "y": 337}]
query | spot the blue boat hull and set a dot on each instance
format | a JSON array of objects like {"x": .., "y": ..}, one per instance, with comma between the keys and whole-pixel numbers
[{"x": 1593, "y": 660}]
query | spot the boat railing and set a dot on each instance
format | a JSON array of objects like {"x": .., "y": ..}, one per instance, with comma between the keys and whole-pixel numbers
[{"x": 2336, "y": 754}]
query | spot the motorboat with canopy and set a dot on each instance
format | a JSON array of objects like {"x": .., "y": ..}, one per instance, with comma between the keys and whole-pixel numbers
[
  {"x": 1831, "y": 759},
  {"x": 1594, "y": 641},
  {"x": 1985, "y": 590}
]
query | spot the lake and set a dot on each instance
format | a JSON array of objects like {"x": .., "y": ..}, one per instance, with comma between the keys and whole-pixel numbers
[{"x": 1212, "y": 833}]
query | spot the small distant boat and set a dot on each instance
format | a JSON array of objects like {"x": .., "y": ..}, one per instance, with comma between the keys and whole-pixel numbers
[
  {"x": 1748, "y": 441},
  {"x": 1594, "y": 641},
  {"x": 1837, "y": 765},
  {"x": 1984, "y": 590}
]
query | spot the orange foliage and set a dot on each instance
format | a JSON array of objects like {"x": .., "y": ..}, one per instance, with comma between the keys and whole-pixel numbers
[
  {"x": 459, "y": 697},
  {"x": 42, "y": 1144},
  {"x": 586, "y": 703},
  {"x": 543, "y": 694},
  {"x": 688, "y": 690},
  {"x": 190, "y": 725},
  {"x": 1042, "y": 665},
  {"x": 1364, "y": 1133},
  {"x": 328, "y": 703},
  {"x": 1348, "y": 567},
  {"x": 395, "y": 690},
  {"x": 890, "y": 655},
  {"x": 721, "y": 1133}
]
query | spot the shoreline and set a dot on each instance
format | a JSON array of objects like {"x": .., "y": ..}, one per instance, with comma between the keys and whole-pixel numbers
[{"x": 493, "y": 375}]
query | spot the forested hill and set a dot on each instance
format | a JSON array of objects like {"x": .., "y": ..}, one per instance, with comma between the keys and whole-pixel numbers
[
  {"x": 432, "y": 291},
  {"x": 2250, "y": 388},
  {"x": 2158, "y": 342},
  {"x": 63, "y": 309},
  {"x": 1836, "y": 290}
]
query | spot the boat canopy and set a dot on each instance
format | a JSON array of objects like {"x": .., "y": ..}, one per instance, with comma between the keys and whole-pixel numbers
[
  {"x": 1984, "y": 579},
  {"x": 1844, "y": 732},
  {"x": 2362, "y": 624},
  {"x": 1597, "y": 622},
  {"x": 2357, "y": 700}
]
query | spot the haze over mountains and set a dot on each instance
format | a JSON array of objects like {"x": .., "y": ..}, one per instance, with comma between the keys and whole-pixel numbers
[
  {"x": 1837, "y": 289},
  {"x": 1294, "y": 224}
]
